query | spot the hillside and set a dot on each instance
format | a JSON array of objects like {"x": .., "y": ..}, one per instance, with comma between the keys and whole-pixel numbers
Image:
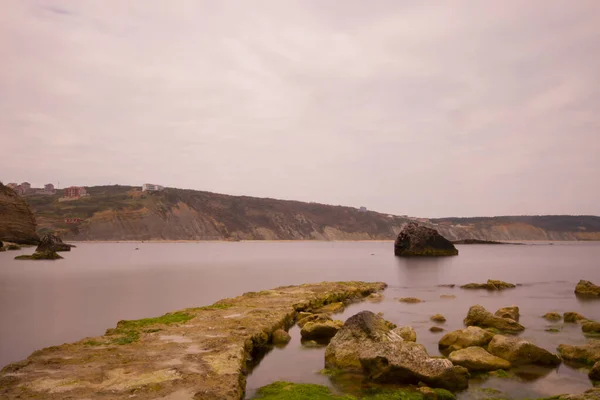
[
  {"x": 17, "y": 223},
  {"x": 126, "y": 213}
]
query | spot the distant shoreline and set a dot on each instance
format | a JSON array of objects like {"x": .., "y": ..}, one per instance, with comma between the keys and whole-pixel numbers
[{"x": 310, "y": 241}]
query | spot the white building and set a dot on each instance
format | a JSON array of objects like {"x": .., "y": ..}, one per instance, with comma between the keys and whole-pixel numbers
[{"x": 150, "y": 187}]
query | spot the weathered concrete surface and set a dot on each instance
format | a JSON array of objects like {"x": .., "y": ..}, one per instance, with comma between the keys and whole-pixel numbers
[{"x": 197, "y": 353}]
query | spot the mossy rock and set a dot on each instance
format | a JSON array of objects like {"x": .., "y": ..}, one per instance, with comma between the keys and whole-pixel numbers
[
  {"x": 552, "y": 316},
  {"x": 410, "y": 300},
  {"x": 438, "y": 318},
  {"x": 297, "y": 391},
  {"x": 48, "y": 255},
  {"x": 573, "y": 317},
  {"x": 13, "y": 247}
]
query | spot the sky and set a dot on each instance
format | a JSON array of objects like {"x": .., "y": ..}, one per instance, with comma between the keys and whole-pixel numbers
[{"x": 423, "y": 108}]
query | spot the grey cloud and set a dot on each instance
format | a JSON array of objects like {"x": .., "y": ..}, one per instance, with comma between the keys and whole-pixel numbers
[{"x": 416, "y": 108}]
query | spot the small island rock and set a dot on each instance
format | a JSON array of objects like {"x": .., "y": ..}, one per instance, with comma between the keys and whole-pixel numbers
[
  {"x": 438, "y": 318},
  {"x": 552, "y": 316},
  {"x": 491, "y": 284},
  {"x": 477, "y": 359},
  {"x": 573, "y": 317},
  {"x": 418, "y": 240},
  {"x": 436, "y": 329},
  {"x": 411, "y": 300},
  {"x": 52, "y": 243}
]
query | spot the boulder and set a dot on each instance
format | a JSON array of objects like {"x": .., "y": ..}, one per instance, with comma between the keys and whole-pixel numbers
[
  {"x": 479, "y": 316},
  {"x": 590, "y": 327},
  {"x": 511, "y": 312},
  {"x": 521, "y": 352},
  {"x": 418, "y": 240},
  {"x": 50, "y": 242},
  {"x": 573, "y": 317},
  {"x": 552, "y": 316},
  {"x": 17, "y": 223},
  {"x": 409, "y": 363},
  {"x": 594, "y": 373},
  {"x": 436, "y": 329},
  {"x": 438, "y": 318},
  {"x": 320, "y": 331},
  {"x": 406, "y": 332},
  {"x": 360, "y": 333},
  {"x": 314, "y": 318},
  {"x": 412, "y": 300},
  {"x": 463, "y": 338},
  {"x": 587, "y": 288},
  {"x": 491, "y": 284},
  {"x": 477, "y": 359},
  {"x": 587, "y": 354},
  {"x": 281, "y": 337}
]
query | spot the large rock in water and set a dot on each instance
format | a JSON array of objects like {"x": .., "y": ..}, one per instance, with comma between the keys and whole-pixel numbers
[
  {"x": 417, "y": 240},
  {"x": 52, "y": 243},
  {"x": 587, "y": 288},
  {"x": 521, "y": 352},
  {"x": 360, "y": 332},
  {"x": 408, "y": 362},
  {"x": 477, "y": 359},
  {"x": 479, "y": 316},
  {"x": 463, "y": 338},
  {"x": 17, "y": 223},
  {"x": 587, "y": 354},
  {"x": 320, "y": 331}
]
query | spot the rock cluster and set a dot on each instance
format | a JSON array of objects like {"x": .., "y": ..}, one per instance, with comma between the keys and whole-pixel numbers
[
  {"x": 479, "y": 316},
  {"x": 418, "y": 240},
  {"x": 491, "y": 284}
]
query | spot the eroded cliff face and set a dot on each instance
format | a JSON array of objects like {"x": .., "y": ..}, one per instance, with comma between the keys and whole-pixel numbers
[
  {"x": 512, "y": 232},
  {"x": 17, "y": 223}
]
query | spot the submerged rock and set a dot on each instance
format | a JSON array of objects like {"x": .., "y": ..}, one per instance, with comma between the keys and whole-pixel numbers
[
  {"x": 552, "y": 316},
  {"x": 50, "y": 242},
  {"x": 438, "y": 318},
  {"x": 573, "y": 317},
  {"x": 375, "y": 297},
  {"x": 281, "y": 337},
  {"x": 463, "y": 338},
  {"x": 46, "y": 255},
  {"x": 511, "y": 312},
  {"x": 320, "y": 331},
  {"x": 408, "y": 362},
  {"x": 477, "y": 359},
  {"x": 521, "y": 352},
  {"x": 491, "y": 284},
  {"x": 417, "y": 240},
  {"x": 412, "y": 300},
  {"x": 594, "y": 373},
  {"x": 479, "y": 316},
  {"x": 360, "y": 333},
  {"x": 587, "y": 354},
  {"x": 436, "y": 329},
  {"x": 587, "y": 288},
  {"x": 406, "y": 332}
]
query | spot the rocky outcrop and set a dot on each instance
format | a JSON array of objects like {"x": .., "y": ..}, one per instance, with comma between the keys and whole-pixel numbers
[
  {"x": 594, "y": 373},
  {"x": 477, "y": 359},
  {"x": 479, "y": 316},
  {"x": 320, "y": 331},
  {"x": 52, "y": 243},
  {"x": 491, "y": 284},
  {"x": 521, "y": 352},
  {"x": 408, "y": 362},
  {"x": 17, "y": 223},
  {"x": 418, "y": 240},
  {"x": 463, "y": 338},
  {"x": 359, "y": 333},
  {"x": 587, "y": 288},
  {"x": 511, "y": 312},
  {"x": 587, "y": 354}
]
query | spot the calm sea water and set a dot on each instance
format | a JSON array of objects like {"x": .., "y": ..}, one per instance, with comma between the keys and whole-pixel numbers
[{"x": 46, "y": 303}]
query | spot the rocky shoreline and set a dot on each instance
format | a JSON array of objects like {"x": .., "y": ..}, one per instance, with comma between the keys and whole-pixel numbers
[{"x": 196, "y": 353}]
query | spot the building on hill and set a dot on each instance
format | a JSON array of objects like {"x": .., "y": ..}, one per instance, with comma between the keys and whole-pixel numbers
[
  {"x": 150, "y": 187},
  {"x": 73, "y": 193},
  {"x": 363, "y": 209},
  {"x": 49, "y": 187}
]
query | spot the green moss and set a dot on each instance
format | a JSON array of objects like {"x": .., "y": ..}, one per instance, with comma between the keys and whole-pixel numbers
[
  {"x": 552, "y": 330},
  {"x": 493, "y": 330},
  {"x": 129, "y": 331},
  {"x": 393, "y": 394},
  {"x": 40, "y": 256},
  {"x": 297, "y": 391},
  {"x": 489, "y": 390},
  {"x": 500, "y": 373},
  {"x": 443, "y": 394},
  {"x": 216, "y": 306}
]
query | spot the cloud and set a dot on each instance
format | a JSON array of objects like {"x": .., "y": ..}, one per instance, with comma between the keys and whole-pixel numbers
[{"x": 411, "y": 108}]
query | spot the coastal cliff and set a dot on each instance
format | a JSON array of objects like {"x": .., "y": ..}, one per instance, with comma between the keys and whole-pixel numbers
[
  {"x": 17, "y": 223},
  {"x": 127, "y": 213}
]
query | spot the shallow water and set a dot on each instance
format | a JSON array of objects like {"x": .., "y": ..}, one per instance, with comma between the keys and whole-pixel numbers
[{"x": 46, "y": 303}]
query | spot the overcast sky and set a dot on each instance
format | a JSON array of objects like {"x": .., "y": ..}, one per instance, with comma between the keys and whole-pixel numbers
[{"x": 426, "y": 108}]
